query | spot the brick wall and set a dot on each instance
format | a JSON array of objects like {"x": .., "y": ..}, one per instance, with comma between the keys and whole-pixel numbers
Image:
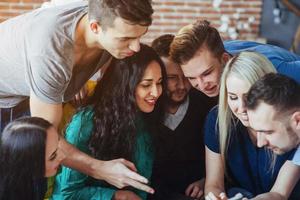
[
  {"x": 235, "y": 19},
  {"x": 11, "y": 8}
]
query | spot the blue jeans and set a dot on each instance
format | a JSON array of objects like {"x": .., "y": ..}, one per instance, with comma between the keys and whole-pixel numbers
[{"x": 9, "y": 114}]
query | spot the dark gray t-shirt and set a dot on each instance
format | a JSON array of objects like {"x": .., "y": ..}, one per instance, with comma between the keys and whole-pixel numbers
[{"x": 37, "y": 55}]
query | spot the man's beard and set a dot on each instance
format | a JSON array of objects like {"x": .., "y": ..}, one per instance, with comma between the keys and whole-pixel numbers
[
  {"x": 173, "y": 103},
  {"x": 293, "y": 136}
]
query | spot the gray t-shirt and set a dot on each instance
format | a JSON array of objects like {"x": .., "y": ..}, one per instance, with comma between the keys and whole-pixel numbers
[{"x": 36, "y": 54}]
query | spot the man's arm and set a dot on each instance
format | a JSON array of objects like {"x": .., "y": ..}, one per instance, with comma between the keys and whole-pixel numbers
[
  {"x": 119, "y": 172},
  {"x": 285, "y": 182},
  {"x": 50, "y": 112}
]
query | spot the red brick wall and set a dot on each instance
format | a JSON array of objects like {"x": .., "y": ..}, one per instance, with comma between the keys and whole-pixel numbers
[
  {"x": 171, "y": 15},
  {"x": 241, "y": 16},
  {"x": 11, "y": 8}
]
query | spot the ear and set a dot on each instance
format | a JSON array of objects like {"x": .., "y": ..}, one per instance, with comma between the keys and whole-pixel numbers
[
  {"x": 95, "y": 27},
  {"x": 296, "y": 121},
  {"x": 225, "y": 57}
]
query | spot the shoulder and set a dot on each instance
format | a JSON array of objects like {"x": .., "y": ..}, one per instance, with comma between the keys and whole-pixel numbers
[
  {"x": 56, "y": 25},
  {"x": 236, "y": 46},
  {"x": 58, "y": 14},
  {"x": 85, "y": 114},
  {"x": 81, "y": 126},
  {"x": 82, "y": 118},
  {"x": 296, "y": 157},
  {"x": 211, "y": 122},
  {"x": 211, "y": 133},
  {"x": 232, "y": 43},
  {"x": 274, "y": 53},
  {"x": 213, "y": 113}
]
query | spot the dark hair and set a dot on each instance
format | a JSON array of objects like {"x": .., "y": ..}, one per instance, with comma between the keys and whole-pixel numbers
[
  {"x": 135, "y": 12},
  {"x": 192, "y": 37},
  {"x": 22, "y": 157},
  {"x": 116, "y": 111},
  {"x": 162, "y": 45},
  {"x": 277, "y": 90}
]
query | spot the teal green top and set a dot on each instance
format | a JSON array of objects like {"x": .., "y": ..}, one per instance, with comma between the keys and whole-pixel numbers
[{"x": 71, "y": 184}]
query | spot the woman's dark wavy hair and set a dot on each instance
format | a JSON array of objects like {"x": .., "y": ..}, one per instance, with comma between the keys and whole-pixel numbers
[
  {"x": 115, "y": 108},
  {"x": 22, "y": 157}
]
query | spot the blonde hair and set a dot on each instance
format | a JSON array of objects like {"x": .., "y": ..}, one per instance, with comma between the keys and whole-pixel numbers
[{"x": 248, "y": 66}]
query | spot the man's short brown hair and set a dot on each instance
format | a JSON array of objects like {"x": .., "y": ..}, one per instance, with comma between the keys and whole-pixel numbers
[
  {"x": 162, "y": 45},
  {"x": 134, "y": 11},
  {"x": 194, "y": 36}
]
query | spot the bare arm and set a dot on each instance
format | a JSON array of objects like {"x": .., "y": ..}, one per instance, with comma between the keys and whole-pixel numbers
[
  {"x": 286, "y": 180},
  {"x": 214, "y": 181},
  {"x": 50, "y": 112},
  {"x": 119, "y": 172},
  {"x": 269, "y": 195}
]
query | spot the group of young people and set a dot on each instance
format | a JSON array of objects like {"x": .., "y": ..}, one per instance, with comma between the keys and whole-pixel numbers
[{"x": 183, "y": 119}]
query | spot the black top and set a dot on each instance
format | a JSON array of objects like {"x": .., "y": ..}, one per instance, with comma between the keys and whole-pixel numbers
[{"x": 180, "y": 155}]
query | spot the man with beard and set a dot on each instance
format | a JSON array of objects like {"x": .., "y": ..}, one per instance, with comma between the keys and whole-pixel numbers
[
  {"x": 178, "y": 171},
  {"x": 273, "y": 107}
]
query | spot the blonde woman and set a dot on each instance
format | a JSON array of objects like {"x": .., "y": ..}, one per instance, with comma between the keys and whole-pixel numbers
[{"x": 230, "y": 144}]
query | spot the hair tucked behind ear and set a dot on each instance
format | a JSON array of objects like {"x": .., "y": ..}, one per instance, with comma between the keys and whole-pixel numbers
[
  {"x": 115, "y": 106},
  {"x": 22, "y": 157}
]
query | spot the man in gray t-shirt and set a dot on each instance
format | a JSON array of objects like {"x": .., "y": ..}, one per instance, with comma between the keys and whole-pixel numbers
[{"x": 47, "y": 55}]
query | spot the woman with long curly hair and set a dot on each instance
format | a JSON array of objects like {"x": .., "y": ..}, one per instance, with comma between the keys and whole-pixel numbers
[
  {"x": 117, "y": 123},
  {"x": 29, "y": 152}
]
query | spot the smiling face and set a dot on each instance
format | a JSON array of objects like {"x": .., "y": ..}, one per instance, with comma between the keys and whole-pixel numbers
[
  {"x": 237, "y": 90},
  {"x": 177, "y": 84},
  {"x": 122, "y": 39},
  {"x": 276, "y": 133},
  {"x": 54, "y": 155},
  {"x": 149, "y": 88},
  {"x": 204, "y": 72}
]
